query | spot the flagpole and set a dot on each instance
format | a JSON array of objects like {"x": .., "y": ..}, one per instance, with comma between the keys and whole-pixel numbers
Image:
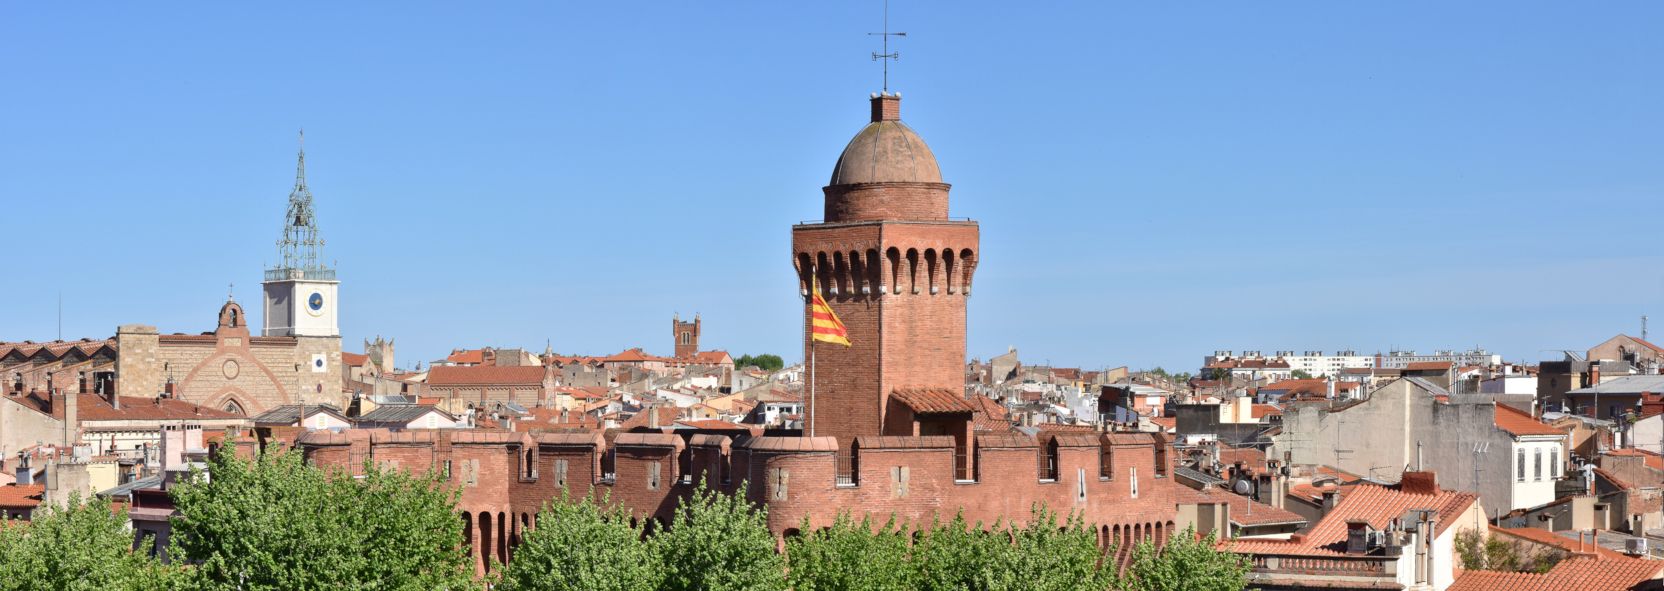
[
  {"x": 809, "y": 328},
  {"x": 811, "y": 387}
]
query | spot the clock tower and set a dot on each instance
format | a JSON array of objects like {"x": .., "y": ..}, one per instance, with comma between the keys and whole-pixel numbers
[{"x": 300, "y": 289}]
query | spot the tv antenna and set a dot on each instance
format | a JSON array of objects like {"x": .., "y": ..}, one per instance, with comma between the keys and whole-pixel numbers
[{"x": 887, "y": 56}]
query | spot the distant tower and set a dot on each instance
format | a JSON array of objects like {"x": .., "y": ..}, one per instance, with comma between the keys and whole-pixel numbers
[
  {"x": 300, "y": 289},
  {"x": 380, "y": 352},
  {"x": 686, "y": 335},
  {"x": 897, "y": 270}
]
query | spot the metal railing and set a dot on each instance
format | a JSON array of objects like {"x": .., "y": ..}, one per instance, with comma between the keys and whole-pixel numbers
[
  {"x": 282, "y": 273},
  {"x": 848, "y": 470},
  {"x": 1048, "y": 464}
]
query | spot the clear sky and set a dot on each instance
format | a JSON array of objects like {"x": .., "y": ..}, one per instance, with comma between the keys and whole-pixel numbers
[{"x": 1154, "y": 181}]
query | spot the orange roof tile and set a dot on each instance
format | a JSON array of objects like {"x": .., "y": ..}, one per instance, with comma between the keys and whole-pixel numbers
[
  {"x": 1543, "y": 536},
  {"x": 1263, "y": 410},
  {"x": 1428, "y": 365},
  {"x": 1583, "y": 574},
  {"x": 1375, "y": 504},
  {"x": 1651, "y": 459},
  {"x": 475, "y": 356},
  {"x": 932, "y": 400},
  {"x": 484, "y": 375},
  {"x": 1520, "y": 424},
  {"x": 989, "y": 416},
  {"x": 354, "y": 359},
  {"x": 26, "y": 496}
]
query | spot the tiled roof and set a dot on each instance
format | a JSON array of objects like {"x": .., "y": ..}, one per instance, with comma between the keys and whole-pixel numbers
[
  {"x": 1651, "y": 459},
  {"x": 467, "y": 356},
  {"x": 1543, "y": 536},
  {"x": 354, "y": 359},
  {"x": 1428, "y": 366},
  {"x": 712, "y": 357},
  {"x": 92, "y": 407},
  {"x": 1520, "y": 424},
  {"x": 289, "y": 414},
  {"x": 1302, "y": 386},
  {"x": 989, "y": 416},
  {"x": 1262, "y": 410},
  {"x": 1582, "y": 574},
  {"x": 926, "y": 401},
  {"x": 1378, "y": 505},
  {"x": 712, "y": 425},
  {"x": 1248, "y": 512},
  {"x": 27, "y": 496},
  {"x": 1167, "y": 423},
  {"x": 56, "y": 349},
  {"x": 485, "y": 375}
]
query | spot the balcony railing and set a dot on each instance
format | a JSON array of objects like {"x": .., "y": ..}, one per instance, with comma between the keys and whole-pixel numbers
[{"x": 318, "y": 273}]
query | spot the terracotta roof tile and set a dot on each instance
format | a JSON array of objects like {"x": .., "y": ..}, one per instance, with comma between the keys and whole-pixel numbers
[
  {"x": 475, "y": 356},
  {"x": 989, "y": 416},
  {"x": 1583, "y": 574},
  {"x": 1520, "y": 424},
  {"x": 926, "y": 401},
  {"x": 1543, "y": 536},
  {"x": 485, "y": 375},
  {"x": 1428, "y": 366},
  {"x": 1375, "y": 504},
  {"x": 27, "y": 496},
  {"x": 354, "y": 359}
]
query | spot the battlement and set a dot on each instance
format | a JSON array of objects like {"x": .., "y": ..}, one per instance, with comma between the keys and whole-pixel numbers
[{"x": 504, "y": 477}]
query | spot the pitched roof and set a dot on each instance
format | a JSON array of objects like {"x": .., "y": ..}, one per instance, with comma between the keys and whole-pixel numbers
[
  {"x": 1543, "y": 536},
  {"x": 354, "y": 359},
  {"x": 485, "y": 375},
  {"x": 1375, "y": 504},
  {"x": 24, "y": 496},
  {"x": 466, "y": 356},
  {"x": 1429, "y": 366},
  {"x": 989, "y": 416},
  {"x": 1651, "y": 459},
  {"x": 1262, "y": 410},
  {"x": 712, "y": 357},
  {"x": 289, "y": 414},
  {"x": 401, "y": 413},
  {"x": 927, "y": 401},
  {"x": 93, "y": 407},
  {"x": 1519, "y": 423},
  {"x": 1583, "y": 574}
]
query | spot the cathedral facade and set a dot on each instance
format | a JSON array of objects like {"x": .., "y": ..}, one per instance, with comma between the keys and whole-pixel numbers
[{"x": 295, "y": 358}]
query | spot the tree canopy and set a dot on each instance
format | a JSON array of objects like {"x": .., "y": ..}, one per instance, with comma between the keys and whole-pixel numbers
[
  {"x": 276, "y": 523},
  {"x": 83, "y": 546},
  {"x": 765, "y": 361},
  {"x": 581, "y": 546}
]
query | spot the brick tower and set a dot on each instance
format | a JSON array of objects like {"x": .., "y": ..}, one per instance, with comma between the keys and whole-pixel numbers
[
  {"x": 897, "y": 271},
  {"x": 686, "y": 335}
]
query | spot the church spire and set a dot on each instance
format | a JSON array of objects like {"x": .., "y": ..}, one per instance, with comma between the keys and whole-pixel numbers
[{"x": 299, "y": 248}]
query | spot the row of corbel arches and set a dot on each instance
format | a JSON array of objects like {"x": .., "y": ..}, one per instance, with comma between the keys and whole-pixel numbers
[{"x": 848, "y": 274}]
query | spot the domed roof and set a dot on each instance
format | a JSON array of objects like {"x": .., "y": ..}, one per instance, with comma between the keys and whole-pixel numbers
[{"x": 885, "y": 151}]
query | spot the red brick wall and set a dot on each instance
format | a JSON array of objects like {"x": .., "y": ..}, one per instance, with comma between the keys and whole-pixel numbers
[
  {"x": 1007, "y": 486},
  {"x": 886, "y": 201}
]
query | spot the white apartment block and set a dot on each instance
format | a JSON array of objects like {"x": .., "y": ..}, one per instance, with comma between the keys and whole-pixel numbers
[
  {"x": 1479, "y": 357},
  {"x": 1315, "y": 363}
]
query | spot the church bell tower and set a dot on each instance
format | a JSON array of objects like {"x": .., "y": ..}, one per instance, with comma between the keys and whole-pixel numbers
[{"x": 300, "y": 290}]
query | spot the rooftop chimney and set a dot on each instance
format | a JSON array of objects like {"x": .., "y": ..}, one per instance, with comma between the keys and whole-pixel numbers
[
  {"x": 886, "y": 107},
  {"x": 1594, "y": 374},
  {"x": 1419, "y": 483},
  {"x": 25, "y": 474}
]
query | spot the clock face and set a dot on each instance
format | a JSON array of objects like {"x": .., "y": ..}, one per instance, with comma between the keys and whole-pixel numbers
[{"x": 315, "y": 304}]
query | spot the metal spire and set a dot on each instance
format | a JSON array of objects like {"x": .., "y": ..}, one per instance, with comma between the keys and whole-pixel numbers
[
  {"x": 888, "y": 55},
  {"x": 299, "y": 247}
]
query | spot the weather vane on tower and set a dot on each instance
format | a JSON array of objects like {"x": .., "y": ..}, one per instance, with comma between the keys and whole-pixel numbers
[{"x": 888, "y": 55}]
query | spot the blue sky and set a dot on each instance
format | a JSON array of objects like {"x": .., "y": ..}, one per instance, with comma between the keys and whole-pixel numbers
[{"x": 1154, "y": 181}]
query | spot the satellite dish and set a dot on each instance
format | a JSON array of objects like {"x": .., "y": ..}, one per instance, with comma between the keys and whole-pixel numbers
[{"x": 1241, "y": 487}]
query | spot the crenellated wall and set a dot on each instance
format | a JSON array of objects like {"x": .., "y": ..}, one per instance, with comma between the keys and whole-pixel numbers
[{"x": 504, "y": 478}]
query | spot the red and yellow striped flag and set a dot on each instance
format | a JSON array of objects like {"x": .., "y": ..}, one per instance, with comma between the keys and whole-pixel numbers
[{"x": 824, "y": 324}]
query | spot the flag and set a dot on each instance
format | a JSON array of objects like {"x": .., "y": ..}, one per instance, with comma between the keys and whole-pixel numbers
[{"x": 824, "y": 324}]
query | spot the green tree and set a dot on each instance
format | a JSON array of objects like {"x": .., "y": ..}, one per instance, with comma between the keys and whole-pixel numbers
[
  {"x": 719, "y": 542},
  {"x": 850, "y": 555},
  {"x": 276, "y": 523},
  {"x": 581, "y": 546},
  {"x": 766, "y": 361},
  {"x": 1495, "y": 553},
  {"x": 84, "y": 546},
  {"x": 954, "y": 555},
  {"x": 1047, "y": 556},
  {"x": 1300, "y": 374},
  {"x": 1186, "y": 563}
]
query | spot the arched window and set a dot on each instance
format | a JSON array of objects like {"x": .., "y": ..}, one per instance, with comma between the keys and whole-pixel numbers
[{"x": 232, "y": 407}]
